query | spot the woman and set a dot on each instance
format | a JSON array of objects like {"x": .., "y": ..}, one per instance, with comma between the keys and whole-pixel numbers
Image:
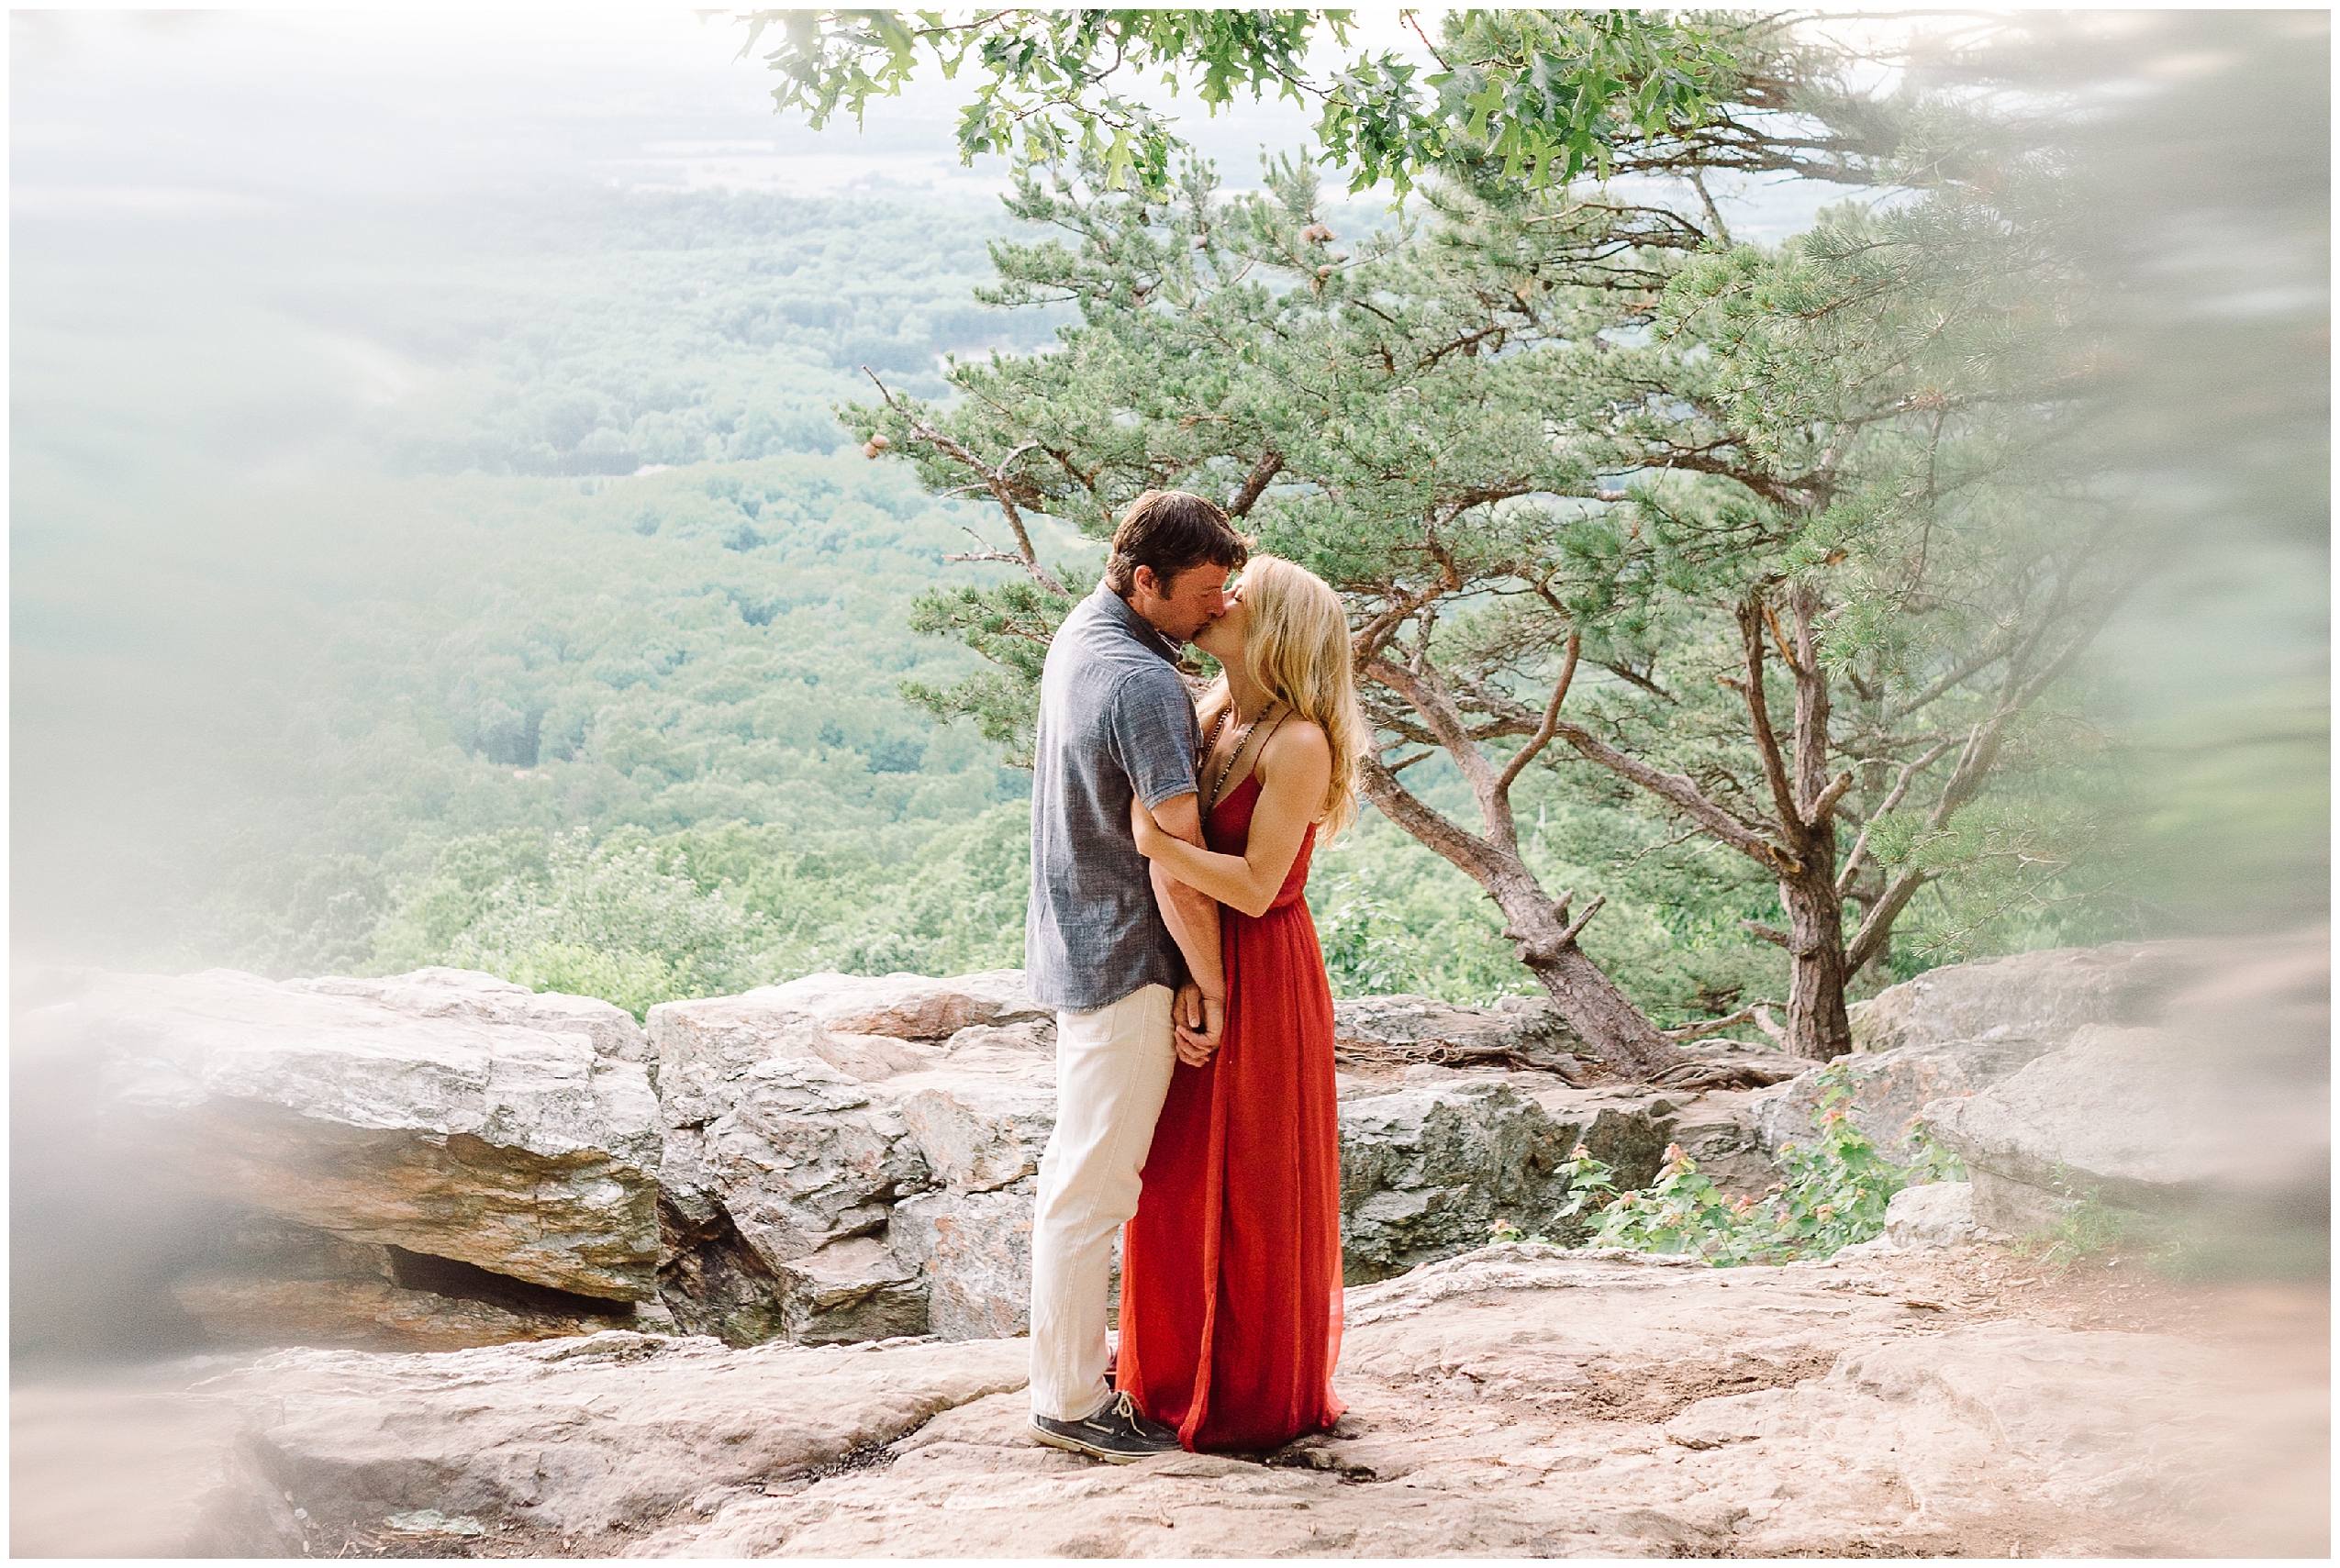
[{"x": 1231, "y": 1271}]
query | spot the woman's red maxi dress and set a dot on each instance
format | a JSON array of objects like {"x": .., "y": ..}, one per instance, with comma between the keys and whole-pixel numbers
[{"x": 1230, "y": 1270}]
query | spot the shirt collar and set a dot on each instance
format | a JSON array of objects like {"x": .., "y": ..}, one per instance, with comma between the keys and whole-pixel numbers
[{"x": 1136, "y": 625}]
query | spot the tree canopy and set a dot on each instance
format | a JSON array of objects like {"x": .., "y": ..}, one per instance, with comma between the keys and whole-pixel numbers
[
  {"x": 1544, "y": 94},
  {"x": 1781, "y": 539}
]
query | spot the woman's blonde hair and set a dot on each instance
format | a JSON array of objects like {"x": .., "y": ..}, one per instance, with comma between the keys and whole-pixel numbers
[{"x": 1296, "y": 649}]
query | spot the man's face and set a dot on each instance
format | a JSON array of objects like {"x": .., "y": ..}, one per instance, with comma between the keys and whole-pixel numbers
[{"x": 1179, "y": 609}]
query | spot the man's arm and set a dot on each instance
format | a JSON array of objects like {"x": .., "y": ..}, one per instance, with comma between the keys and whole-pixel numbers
[{"x": 1193, "y": 918}]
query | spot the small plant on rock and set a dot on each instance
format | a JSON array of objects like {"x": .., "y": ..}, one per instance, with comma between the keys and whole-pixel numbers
[
  {"x": 2085, "y": 1226},
  {"x": 1834, "y": 1194},
  {"x": 1837, "y": 1186},
  {"x": 1682, "y": 1211}
]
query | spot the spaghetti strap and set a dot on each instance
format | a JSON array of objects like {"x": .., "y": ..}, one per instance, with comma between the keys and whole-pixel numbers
[{"x": 1271, "y": 734}]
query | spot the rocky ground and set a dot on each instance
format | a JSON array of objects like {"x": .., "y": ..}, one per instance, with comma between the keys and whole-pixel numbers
[
  {"x": 1517, "y": 1401},
  {"x": 454, "y": 1269}
]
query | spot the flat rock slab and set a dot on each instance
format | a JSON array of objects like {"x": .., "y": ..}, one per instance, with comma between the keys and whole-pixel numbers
[
  {"x": 575, "y": 1440},
  {"x": 906, "y": 1006},
  {"x": 2144, "y": 1120},
  {"x": 1518, "y": 1402},
  {"x": 1515, "y": 1401},
  {"x": 1888, "y": 1088},
  {"x": 441, "y": 993},
  {"x": 2045, "y": 996}
]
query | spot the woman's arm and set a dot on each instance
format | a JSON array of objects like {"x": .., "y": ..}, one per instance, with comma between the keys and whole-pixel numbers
[{"x": 1294, "y": 769}]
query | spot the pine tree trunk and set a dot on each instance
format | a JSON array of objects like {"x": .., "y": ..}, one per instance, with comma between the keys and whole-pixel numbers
[
  {"x": 1587, "y": 1000},
  {"x": 1594, "y": 1008},
  {"x": 1620, "y": 1037},
  {"x": 1818, "y": 1026}
]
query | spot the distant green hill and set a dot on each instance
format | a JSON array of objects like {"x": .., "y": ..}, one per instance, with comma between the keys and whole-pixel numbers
[
  {"x": 298, "y": 604},
  {"x": 593, "y": 332},
  {"x": 718, "y": 644}
]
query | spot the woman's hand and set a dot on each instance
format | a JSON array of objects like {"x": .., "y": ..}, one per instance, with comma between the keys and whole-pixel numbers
[{"x": 1145, "y": 829}]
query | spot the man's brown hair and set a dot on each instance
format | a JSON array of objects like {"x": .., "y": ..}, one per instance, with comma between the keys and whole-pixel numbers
[{"x": 1171, "y": 531}]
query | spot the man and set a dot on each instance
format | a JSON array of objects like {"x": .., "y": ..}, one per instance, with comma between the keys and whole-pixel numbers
[{"x": 1123, "y": 968}]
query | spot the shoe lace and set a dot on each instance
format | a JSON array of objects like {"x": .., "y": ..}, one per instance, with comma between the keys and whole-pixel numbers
[{"x": 1125, "y": 1408}]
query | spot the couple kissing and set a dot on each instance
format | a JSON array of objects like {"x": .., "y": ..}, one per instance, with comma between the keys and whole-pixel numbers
[{"x": 1194, "y": 1019}]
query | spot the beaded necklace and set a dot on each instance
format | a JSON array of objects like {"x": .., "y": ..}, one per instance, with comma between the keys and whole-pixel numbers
[{"x": 1217, "y": 727}]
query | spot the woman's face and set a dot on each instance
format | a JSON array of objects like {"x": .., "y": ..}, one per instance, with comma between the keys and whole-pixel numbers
[{"x": 1224, "y": 639}]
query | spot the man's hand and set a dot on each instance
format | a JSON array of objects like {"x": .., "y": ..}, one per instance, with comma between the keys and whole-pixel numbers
[{"x": 1199, "y": 1032}]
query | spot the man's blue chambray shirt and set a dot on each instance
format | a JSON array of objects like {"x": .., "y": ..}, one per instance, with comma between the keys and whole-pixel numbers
[{"x": 1115, "y": 722}]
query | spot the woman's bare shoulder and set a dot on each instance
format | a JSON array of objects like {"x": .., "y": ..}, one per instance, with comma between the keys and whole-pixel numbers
[{"x": 1298, "y": 742}]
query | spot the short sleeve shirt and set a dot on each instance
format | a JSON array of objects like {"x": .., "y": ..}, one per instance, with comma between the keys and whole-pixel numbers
[{"x": 1115, "y": 724}]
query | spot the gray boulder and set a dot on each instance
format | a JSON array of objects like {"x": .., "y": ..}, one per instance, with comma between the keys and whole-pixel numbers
[
  {"x": 1428, "y": 1168},
  {"x": 802, "y": 1148},
  {"x": 982, "y": 1114},
  {"x": 1954, "y": 1032},
  {"x": 1426, "y": 1173},
  {"x": 522, "y": 1151},
  {"x": 705, "y": 1046},
  {"x": 1718, "y": 1129},
  {"x": 1936, "y": 1216},
  {"x": 2044, "y": 998},
  {"x": 977, "y": 1133},
  {"x": 974, "y": 1249},
  {"x": 2141, "y": 1120},
  {"x": 807, "y": 1156},
  {"x": 771, "y": 1140},
  {"x": 441, "y": 993},
  {"x": 1516, "y": 1032},
  {"x": 906, "y": 1006},
  {"x": 1891, "y": 1087},
  {"x": 852, "y": 1289},
  {"x": 1931, "y": 1218}
]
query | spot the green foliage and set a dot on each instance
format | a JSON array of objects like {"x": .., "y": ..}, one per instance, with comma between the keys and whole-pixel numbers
[
  {"x": 307, "y": 914},
  {"x": 1527, "y": 90},
  {"x": 620, "y": 919},
  {"x": 713, "y": 643},
  {"x": 1009, "y": 625},
  {"x": 929, "y": 897},
  {"x": 1040, "y": 74},
  {"x": 1834, "y": 1194},
  {"x": 1394, "y": 919},
  {"x": 639, "y": 919}
]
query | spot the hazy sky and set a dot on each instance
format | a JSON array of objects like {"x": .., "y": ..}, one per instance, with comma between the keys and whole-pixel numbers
[
  {"x": 185, "y": 109},
  {"x": 250, "y": 102}
]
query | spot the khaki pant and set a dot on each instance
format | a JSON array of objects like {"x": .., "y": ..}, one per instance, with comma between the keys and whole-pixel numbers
[{"x": 1112, "y": 1072}]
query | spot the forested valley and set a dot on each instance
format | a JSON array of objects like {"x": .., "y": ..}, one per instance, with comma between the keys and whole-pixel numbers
[
  {"x": 603, "y": 691},
  {"x": 639, "y": 734}
]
